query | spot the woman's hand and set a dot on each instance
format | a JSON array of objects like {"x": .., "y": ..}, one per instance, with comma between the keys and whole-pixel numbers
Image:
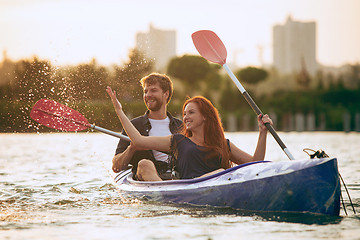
[
  {"x": 262, "y": 120},
  {"x": 115, "y": 101}
]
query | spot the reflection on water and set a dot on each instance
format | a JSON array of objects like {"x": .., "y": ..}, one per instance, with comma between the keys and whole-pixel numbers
[
  {"x": 204, "y": 212},
  {"x": 59, "y": 185}
]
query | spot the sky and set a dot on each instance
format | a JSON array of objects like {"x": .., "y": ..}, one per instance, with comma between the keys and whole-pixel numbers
[{"x": 76, "y": 31}]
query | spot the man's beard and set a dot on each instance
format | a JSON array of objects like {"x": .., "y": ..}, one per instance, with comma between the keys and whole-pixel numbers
[{"x": 155, "y": 107}]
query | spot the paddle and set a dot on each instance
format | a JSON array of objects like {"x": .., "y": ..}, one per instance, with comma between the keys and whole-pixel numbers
[
  {"x": 58, "y": 116},
  {"x": 210, "y": 47}
]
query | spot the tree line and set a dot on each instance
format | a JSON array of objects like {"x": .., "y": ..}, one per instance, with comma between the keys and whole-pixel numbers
[{"x": 82, "y": 87}]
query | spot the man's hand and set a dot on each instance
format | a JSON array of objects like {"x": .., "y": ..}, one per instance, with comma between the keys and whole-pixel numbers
[{"x": 136, "y": 148}]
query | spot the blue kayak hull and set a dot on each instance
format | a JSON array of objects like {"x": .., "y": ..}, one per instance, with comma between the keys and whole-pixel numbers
[{"x": 310, "y": 185}]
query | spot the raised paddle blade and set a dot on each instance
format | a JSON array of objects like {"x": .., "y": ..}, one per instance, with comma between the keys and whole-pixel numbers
[
  {"x": 210, "y": 46},
  {"x": 58, "y": 116}
]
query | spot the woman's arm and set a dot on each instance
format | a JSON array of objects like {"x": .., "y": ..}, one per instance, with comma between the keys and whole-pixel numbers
[
  {"x": 238, "y": 156},
  {"x": 155, "y": 143}
]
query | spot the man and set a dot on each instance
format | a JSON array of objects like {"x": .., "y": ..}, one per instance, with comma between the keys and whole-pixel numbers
[{"x": 157, "y": 121}]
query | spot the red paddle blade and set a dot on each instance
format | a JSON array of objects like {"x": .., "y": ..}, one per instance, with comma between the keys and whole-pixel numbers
[
  {"x": 210, "y": 46},
  {"x": 58, "y": 116}
]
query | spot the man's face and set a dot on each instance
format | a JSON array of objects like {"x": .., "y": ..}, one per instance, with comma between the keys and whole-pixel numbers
[{"x": 154, "y": 97}]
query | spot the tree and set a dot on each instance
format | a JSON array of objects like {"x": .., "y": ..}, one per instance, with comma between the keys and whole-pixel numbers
[
  {"x": 87, "y": 81},
  {"x": 127, "y": 77},
  {"x": 354, "y": 76},
  {"x": 252, "y": 75},
  {"x": 31, "y": 80},
  {"x": 6, "y": 78},
  {"x": 192, "y": 70},
  {"x": 303, "y": 77},
  {"x": 231, "y": 99}
]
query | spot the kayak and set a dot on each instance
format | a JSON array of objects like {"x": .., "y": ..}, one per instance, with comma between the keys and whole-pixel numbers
[{"x": 309, "y": 186}]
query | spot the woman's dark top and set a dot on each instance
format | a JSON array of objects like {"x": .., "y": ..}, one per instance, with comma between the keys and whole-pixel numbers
[{"x": 190, "y": 157}]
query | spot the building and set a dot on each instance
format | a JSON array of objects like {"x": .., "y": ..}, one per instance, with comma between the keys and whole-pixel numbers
[
  {"x": 158, "y": 45},
  {"x": 294, "y": 47}
]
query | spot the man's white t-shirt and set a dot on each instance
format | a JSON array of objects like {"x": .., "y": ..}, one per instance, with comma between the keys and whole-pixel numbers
[{"x": 160, "y": 128}]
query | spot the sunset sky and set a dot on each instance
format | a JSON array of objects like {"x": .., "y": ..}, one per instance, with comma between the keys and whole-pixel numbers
[{"x": 75, "y": 31}]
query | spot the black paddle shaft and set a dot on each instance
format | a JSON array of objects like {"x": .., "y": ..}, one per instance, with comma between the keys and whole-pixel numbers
[{"x": 258, "y": 111}]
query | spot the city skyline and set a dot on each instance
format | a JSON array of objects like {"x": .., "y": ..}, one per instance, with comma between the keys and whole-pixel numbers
[
  {"x": 157, "y": 44},
  {"x": 294, "y": 47},
  {"x": 72, "y": 32}
]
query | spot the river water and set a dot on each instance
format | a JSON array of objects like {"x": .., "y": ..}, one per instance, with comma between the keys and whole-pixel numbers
[{"x": 60, "y": 186}]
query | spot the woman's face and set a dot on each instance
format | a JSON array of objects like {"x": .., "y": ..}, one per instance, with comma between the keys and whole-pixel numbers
[{"x": 192, "y": 117}]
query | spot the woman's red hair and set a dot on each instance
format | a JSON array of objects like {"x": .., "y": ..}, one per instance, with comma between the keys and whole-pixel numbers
[{"x": 214, "y": 138}]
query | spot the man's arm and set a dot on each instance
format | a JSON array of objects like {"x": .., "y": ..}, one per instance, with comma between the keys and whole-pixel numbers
[
  {"x": 125, "y": 150},
  {"x": 121, "y": 160}
]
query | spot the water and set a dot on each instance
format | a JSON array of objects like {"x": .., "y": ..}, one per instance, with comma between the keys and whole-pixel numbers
[{"x": 59, "y": 186}]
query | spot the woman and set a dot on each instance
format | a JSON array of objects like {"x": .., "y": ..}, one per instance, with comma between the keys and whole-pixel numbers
[{"x": 201, "y": 149}]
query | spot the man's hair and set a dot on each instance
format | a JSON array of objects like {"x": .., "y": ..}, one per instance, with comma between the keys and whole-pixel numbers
[{"x": 163, "y": 80}]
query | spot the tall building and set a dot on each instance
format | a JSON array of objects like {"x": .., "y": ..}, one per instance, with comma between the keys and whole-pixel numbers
[
  {"x": 294, "y": 47},
  {"x": 158, "y": 45}
]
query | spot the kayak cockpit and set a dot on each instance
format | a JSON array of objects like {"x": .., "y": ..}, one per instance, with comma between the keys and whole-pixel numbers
[{"x": 129, "y": 176}]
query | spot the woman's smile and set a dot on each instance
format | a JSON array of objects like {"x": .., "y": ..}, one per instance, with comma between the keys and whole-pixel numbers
[{"x": 192, "y": 116}]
